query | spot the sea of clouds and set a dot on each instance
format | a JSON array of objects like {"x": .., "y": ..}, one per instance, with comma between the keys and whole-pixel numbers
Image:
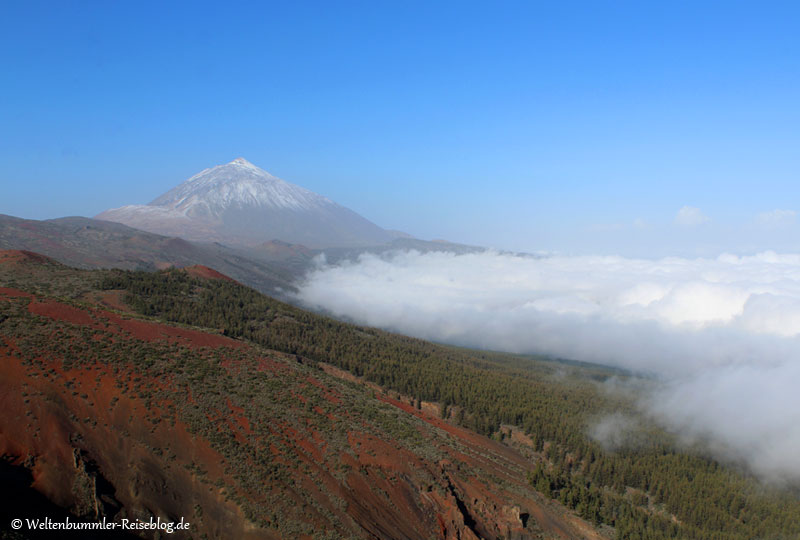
[{"x": 722, "y": 335}]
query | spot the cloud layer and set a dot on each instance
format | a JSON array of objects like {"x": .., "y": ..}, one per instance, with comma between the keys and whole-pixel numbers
[
  {"x": 689, "y": 216},
  {"x": 723, "y": 334}
]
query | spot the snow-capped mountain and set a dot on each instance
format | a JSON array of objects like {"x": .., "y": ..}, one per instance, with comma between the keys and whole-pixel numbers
[
  {"x": 239, "y": 203},
  {"x": 238, "y": 183}
]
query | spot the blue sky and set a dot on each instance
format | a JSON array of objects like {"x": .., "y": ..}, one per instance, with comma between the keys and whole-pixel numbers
[{"x": 570, "y": 126}]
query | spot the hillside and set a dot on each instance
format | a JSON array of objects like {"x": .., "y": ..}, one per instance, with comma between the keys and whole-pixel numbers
[
  {"x": 412, "y": 439},
  {"x": 271, "y": 267},
  {"x": 109, "y": 414},
  {"x": 90, "y": 243},
  {"x": 654, "y": 487}
]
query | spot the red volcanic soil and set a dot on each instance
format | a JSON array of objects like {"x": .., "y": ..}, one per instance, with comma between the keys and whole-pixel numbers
[
  {"x": 87, "y": 437},
  {"x": 481, "y": 453},
  {"x": 112, "y": 299},
  {"x": 60, "y": 312},
  {"x": 201, "y": 271},
  {"x": 495, "y": 507},
  {"x": 317, "y": 457},
  {"x": 150, "y": 331},
  {"x": 15, "y": 256},
  {"x": 103, "y": 438},
  {"x": 14, "y": 293},
  {"x": 138, "y": 329}
]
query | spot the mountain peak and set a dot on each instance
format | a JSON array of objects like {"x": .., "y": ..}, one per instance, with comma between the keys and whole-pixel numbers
[
  {"x": 233, "y": 171},
  {"x": 237, "y": 184},
  {"x": 239, "y": 202},
  {"x": 243, "y": 162}
]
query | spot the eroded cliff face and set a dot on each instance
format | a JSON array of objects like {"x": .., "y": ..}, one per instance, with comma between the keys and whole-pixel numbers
[
  {"x": 109, "y": 415},
  {"x": 90, "y": 442}
]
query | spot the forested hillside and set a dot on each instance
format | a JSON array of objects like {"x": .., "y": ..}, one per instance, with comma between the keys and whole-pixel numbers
[
  {"x": 652, "y": 490},
  {"x": 542, "y": 407},
  {"x": 110, "y": 415}
]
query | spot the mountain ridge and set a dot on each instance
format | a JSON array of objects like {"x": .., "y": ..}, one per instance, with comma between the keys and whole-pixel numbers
[{"x": 89, "y": 243}]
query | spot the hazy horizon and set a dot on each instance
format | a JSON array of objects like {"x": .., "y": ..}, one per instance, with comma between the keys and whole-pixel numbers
[
  {"x": 638, "y": 130},
  {"x": 690, "y": 233}
]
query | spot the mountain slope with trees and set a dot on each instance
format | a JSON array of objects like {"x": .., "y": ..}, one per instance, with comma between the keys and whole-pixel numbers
[
  {"x": 110, "y": 414},
  {"x": 257, "y": 390},
  {"x": 655, "y": 489}
]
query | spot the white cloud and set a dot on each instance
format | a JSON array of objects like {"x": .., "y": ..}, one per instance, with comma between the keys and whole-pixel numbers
[
  {"x": 615, "y": 431},
  {"x": 723, "y": 333},
  {"x": 689, "y": 216},
  {"x": 749, "y": 412},
  {"x": 776, "y": 218}
]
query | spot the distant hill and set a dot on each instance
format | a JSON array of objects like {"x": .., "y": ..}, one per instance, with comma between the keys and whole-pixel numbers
[
  {"x": 272, "y": 267},
  {"x": 337, "y": 254},
  {"x": 241, "y": 204},
  {"x": 88, "y": 243}
]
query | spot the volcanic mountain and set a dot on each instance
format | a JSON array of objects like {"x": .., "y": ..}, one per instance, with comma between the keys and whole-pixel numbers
[{"x": 241, "y": 204}]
